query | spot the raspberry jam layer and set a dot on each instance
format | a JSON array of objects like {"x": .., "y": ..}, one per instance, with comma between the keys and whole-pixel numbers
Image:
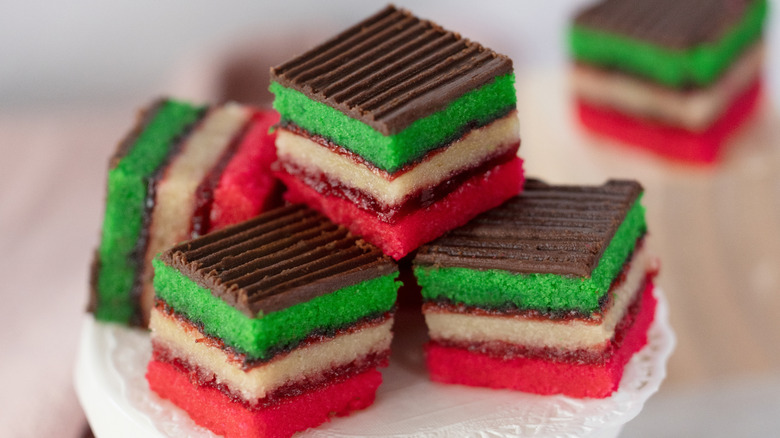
[
  {"x": 421, "y": 199},
  {"x": 246, "y": 363},
  {"x": 668, "y": 141},
  {"x": 200, "y": 222},
  {"x": 560, "y": 346},
  {"x": 476, "y": 195},
  {"x": 202, "y": 377},
  {"x": 541, "y": 375},
  {"x": 212, "y": 409}
]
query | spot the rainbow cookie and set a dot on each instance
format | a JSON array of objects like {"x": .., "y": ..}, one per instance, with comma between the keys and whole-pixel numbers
[
  {"x": 271, "y": 326},
  {"x": 183, "y": 171},
  {"x": 551, "y": 293},
  {"x": 398, "y": 129},
  {"x": 677, "y": 77}
]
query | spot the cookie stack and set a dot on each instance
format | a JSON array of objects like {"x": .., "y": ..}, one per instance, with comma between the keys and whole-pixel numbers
[
  {"x": 398, "y": 129},
  {"x": 550, "y": 293},
  {"x": 676, "y": 77},
  {"x": 183, "y": 171},
  {"x": 270, "y": 327}
]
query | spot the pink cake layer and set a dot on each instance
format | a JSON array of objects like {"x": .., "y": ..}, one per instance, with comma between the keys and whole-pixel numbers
[
  {"x": 544, "y": 376},
  {"x": 669, "y": 141},
  {"x": 212, "y": 409},
  {"x": 247, "y": 186},
  {"x": 476, "y": 195}
]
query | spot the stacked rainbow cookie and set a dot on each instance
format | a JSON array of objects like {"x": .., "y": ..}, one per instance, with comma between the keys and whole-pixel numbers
[
  {"x": 550, "y": 293},
  {"x": 183, "y": 171},
  {"x": 677, "y": 77},
  {"x": 398, "y": 129},
  {"x": 389, "y": 136},
  {"x": 271, "y": 326}
]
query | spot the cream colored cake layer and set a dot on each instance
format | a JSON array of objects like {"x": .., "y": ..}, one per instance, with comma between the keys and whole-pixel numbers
[
  {"x": 537, "y": 333},
  {"x": 175, "y": 193},
  {"x": 301, "y": 363},
  {"x": 473, "y": 148},
  {"x": 694, "y": 110}
]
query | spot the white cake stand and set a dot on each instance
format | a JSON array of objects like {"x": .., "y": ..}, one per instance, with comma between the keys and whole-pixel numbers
[{"x": 112, "y": 389}]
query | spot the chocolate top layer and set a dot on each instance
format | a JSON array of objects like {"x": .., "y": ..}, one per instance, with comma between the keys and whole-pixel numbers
[
  {"x": 142, "y": 119},
  {"x": 676, "y": 24},
  {"x": 391, "y": 69},
  {"x": 547, "y": 229},
  {"x": 281, "y": 258}
]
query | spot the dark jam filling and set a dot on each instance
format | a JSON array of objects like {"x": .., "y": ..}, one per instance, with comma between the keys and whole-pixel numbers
[
  {"x": 605, "y": 302},
  {"x": 423, "y": 198},
  {"x": 138, "y": 255},
  {"x": 508, "y": 351},
  {"x": 203, "y": 378},
  {"x": 247, "y": 362},
  {"x": 200, "y": 222},
  {"x": 336, "y": 148}
]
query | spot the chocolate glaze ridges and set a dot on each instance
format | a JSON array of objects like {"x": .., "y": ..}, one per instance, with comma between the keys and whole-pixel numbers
[
  {"x": 281, "y": 258},
  {"x": 671, "y": 23},
  {"x": 560, "y": 230},
  {"x": 391, "y": 69}
]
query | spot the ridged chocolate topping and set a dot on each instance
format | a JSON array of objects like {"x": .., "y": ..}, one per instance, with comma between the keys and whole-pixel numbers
[
  {"x": 547, "y": 229},
  {"x": 391, "y": 69},
  {"x": 670, "y": 23},
  {"x": 281, "y": 258}
]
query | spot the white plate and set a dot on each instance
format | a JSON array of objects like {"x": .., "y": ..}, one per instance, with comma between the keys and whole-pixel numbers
[{"x": 113, "y": 391}]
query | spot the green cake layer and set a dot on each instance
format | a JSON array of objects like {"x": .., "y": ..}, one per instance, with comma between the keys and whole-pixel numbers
[
  {"x": 261, "y": 337},
  {"x": 390, "y": 153},
  {"x": 123, "y": 222},
  {"x": 695, "y": 66},
  {"x": 499, "y": 289}
]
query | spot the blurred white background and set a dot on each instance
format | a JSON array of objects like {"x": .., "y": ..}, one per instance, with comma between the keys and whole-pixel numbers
[
  {"x": 96, "y": 52},
  {"x": 72, "y": 75}
]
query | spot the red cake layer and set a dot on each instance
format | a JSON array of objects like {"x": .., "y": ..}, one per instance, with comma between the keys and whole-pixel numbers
[
  {"x": 246, "y": 186},
  {"x": 422, "y": 198},
  {"x": 669, "y": 141},
  {"x": 212, "y": 409},
  {"x": 478, "y": 194},
  {"x": 543, "y": 376}
]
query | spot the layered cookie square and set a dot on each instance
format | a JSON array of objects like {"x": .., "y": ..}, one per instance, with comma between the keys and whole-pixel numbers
[
  {"x": 183, "y": 171},
  {"x": 271, "y": 326},
  {"x": 550, "y": 293},
  {"x": 398, "y": 129},
  {"x": 677, "y": 77}
]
